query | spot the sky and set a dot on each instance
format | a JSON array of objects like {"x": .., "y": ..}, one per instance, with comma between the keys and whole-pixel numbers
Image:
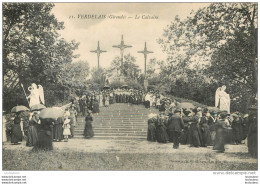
[{"x": 88, "y": 23}]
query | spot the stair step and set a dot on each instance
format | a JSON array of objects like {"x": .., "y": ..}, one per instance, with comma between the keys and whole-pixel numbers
[
  {"x": 113, "y": 137},
  {"x": 115, "y": 130}
]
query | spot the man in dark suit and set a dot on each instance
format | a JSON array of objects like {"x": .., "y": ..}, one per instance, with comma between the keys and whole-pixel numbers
[{"x": 176, "y": 126}]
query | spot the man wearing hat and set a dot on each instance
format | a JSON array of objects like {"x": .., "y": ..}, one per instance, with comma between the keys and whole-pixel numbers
[{"x": 175, "y": 128}]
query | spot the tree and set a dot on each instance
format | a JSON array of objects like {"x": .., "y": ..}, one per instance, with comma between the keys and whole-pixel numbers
[
  {"x": 221, "y": 41},
  {"x": 74, "y": 76},
  {"x": 130, "y": 69},
  {"x": 32, "y": 49}
]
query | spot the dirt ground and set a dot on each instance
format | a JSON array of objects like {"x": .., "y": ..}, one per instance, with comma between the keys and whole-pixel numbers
[{"x": 91, "y": 154}]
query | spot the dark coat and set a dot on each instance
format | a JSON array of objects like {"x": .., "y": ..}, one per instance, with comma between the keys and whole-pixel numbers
[
  {"x": 175, "y": 123},
  {"x": 88, "y": 131},
  {"x": 16, "y": 132}
]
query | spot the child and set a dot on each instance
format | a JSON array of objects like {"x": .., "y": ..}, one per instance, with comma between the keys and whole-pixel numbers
[{"x": 66, "y": 127}]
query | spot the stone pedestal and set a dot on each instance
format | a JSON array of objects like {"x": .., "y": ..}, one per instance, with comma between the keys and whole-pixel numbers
[{"x": 145, "y": 84}]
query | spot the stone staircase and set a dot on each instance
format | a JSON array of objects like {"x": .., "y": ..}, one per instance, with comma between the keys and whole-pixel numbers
[{"x": 119, "y": 121}]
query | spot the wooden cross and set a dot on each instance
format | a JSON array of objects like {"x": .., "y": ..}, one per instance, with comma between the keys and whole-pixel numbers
[
  {"x": 122, "y": 47},
  {"x": 145, "y": 52},
  {"x": 98, "y": 51}
]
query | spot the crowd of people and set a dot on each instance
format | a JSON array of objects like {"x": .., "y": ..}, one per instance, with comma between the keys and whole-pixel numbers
[
  {"x": 201, "y": 128},
  {"x": 95, "y": 99},
  {"x": 40, "y": 133},
  {"x": 196, "y": 127}
]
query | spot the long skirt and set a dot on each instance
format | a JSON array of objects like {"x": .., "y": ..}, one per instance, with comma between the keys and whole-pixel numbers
[
  {"x": 147, "y": 104},
  {"x": 205, "y": 135},
  {"x": 162, "y": 135},
  {"x": 72, "y": 128},
  {"x": 32, "y": 136},
  {"x": 185, "y": 136},
  {"x": 58, "y": 132},
  {"x": 195, "y": 137},
  {"x": 44, "y": 140},
  {"x": 237, "y": 132},
  {"x": 151, "y": 133},
  {"x": 95, "y": 107},
  {"x": 16, "y": 133},
  {"x": 220, "y": 140},
  {"x": 88, "y": 131}
]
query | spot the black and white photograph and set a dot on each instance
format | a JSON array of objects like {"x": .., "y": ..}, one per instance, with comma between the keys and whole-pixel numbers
[{"x": 96, "y": 86}]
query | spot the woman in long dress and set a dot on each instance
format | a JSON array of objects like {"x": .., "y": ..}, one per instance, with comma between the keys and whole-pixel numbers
[
  {"x": 220, "y": 127},
  {"x": 212, "y": 121},
  {"x": 16, "y": 131},
  {"x": 195, "y": 136},
  {"x": 204, "y": 129},
  {"x": 236, "y": 129},
  {"x": 32, "y": 131},
  {"x": 161, "y": 128},
  {"x": 95, "y": 106},
  {"x": 88, "y": 131},
  {"x": 101, "y": 100},
  {"x": 151, "y": 133},
  {"x": 185, "y": 136},
  {"x": 45, "y": 135},
  {"x": 58, "y": 129},
  {"x": 107, "y": 100}
]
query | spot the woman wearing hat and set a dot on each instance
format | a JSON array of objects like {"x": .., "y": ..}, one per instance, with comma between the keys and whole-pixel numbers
[
  {"x": 161, "y": 128},
  {"x": 88, "y": 131},
  {"x": 220, "y": 127},
  {"x": 45, "y": 135},
  {"x": 212, "y": 120},
  {"x": 204, "y": 128},
  {"x": 151, "y": 133},
  {"x": 236, "y": 128},
  {"x": 185, "y": 136},
  {"x": 32, "y": 130},
  {"x": 16, "y": 131},
  {"x": 195, "y": 136}
]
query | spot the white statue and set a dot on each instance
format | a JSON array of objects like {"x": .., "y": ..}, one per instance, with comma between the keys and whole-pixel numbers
[
  {"x": 37, "y": 95},
  {"x": 222, "y": 99}
]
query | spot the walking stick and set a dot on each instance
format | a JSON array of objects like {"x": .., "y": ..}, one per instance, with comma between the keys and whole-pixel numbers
[{"x": 25, "y": 94}]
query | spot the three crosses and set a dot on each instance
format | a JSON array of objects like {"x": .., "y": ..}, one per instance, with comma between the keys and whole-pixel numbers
[{"x": 122, "y": 47}]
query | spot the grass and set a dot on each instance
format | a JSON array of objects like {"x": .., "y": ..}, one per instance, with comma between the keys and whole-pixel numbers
[{"x": 79, "y": 160}]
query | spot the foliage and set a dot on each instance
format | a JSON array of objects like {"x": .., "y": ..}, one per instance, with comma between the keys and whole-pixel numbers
[
  {"x": 98, "y": 78},
  {"x": 129, "y": 68},
  {"x": 132, "y": 84},
  {"x": 214, "y": 46},
  {"x": 33, "y": 52}
]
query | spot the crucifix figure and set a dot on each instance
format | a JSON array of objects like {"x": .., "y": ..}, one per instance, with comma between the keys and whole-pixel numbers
[
  {"x": 122, "y": 46},
  {"x": 145, "y": 52},
  {"x": 98, "y": 51}
]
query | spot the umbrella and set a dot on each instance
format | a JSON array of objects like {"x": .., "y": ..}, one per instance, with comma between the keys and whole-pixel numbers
[
  {"x": 19, "y": 108},
  {"x": 213, "y": 109},
  {"x": 37, "y": 107},
  {"x": 186, "y": 105},
  {"x": 52, "y": 113}
]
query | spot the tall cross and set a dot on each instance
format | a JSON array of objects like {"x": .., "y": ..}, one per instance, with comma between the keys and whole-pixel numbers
[
  {"x": 122, "y": 47},
  {"x": 145, "y": 52},
  {"x": 98, "y": 51}
]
